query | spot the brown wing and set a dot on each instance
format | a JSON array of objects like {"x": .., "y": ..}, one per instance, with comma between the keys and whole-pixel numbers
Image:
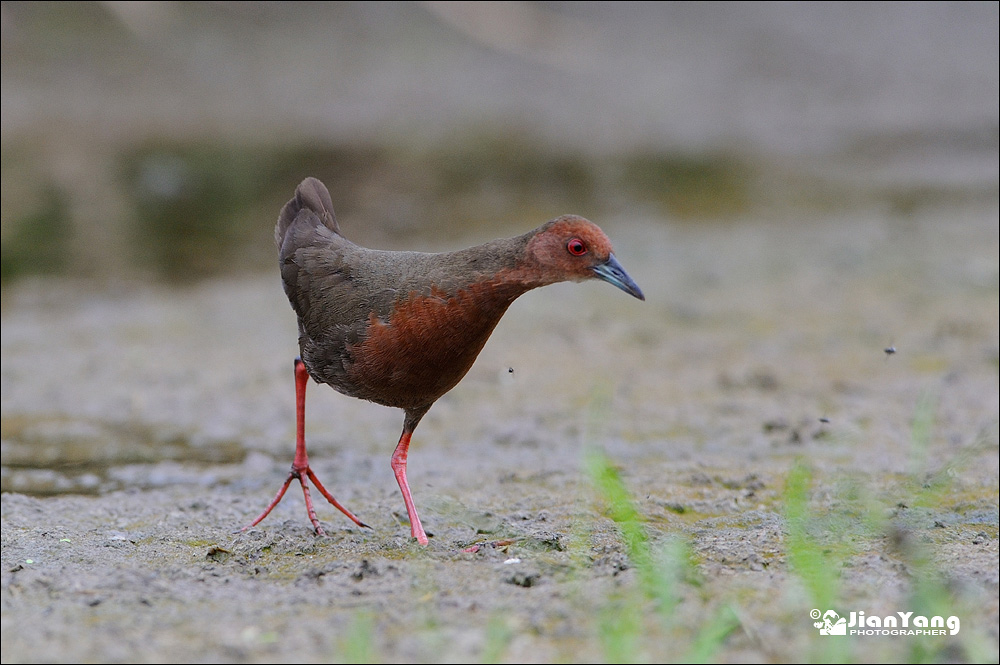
[
  {"x": 398, "y": 328},
  {"x": 318, "y": 274}
]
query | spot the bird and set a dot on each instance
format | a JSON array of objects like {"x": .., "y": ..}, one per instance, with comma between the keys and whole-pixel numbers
[{"x": 401, "y": 328}]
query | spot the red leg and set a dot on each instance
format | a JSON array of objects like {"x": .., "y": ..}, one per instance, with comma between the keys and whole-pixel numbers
[
  {"x": 300, "y": 465},
  {"x": 399, "y": 469}
]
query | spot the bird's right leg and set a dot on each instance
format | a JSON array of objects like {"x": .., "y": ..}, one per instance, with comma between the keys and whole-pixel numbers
[
  {"x": 300, "y": 465},
  {"x": 399, "y": 457}
]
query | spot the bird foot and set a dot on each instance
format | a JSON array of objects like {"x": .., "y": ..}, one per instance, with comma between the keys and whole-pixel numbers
[{"x": 301, "y": 474}]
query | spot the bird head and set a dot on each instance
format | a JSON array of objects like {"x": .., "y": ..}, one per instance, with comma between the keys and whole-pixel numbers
[{"x": 574, "y": 249}]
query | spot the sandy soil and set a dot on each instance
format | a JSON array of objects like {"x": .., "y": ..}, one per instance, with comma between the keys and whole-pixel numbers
[{"x": 142, "y": 429}]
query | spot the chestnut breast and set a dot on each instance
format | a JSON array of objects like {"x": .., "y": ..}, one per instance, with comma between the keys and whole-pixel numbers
[{"x": 398, "y": 328}]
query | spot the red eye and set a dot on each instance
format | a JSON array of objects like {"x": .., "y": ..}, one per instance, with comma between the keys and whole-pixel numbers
[{"x": 576, "y": 247}]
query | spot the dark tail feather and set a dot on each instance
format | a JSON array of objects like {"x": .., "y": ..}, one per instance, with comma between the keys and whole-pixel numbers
[{"x": 311, "y": 195}]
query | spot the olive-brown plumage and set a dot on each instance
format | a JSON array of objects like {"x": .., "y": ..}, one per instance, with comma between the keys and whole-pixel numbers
[{"x": 403, "y": 328}]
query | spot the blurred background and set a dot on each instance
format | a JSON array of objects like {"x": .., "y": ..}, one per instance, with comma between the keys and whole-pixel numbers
[
  {"x": 807, "y": 193},
  {"x": 157, "y": 140}
]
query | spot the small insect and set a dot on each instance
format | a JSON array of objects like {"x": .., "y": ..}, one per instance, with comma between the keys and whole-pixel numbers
[
  {"x": 510, "y": 370},
  {"x": 889, "y": 350},
  {"x": 825, "y": 420}
]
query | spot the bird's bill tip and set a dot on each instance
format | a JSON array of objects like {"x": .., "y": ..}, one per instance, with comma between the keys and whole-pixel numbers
[{"x": 612, "y": 272}]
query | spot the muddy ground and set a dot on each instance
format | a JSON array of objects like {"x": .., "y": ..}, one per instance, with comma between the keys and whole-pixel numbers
[
  {"x": 142, "y": 429},
  {"x": 143, "y": 425}
]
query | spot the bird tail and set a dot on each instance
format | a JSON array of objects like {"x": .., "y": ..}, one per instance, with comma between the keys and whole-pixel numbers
[{"x": 311, "y": 198}]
